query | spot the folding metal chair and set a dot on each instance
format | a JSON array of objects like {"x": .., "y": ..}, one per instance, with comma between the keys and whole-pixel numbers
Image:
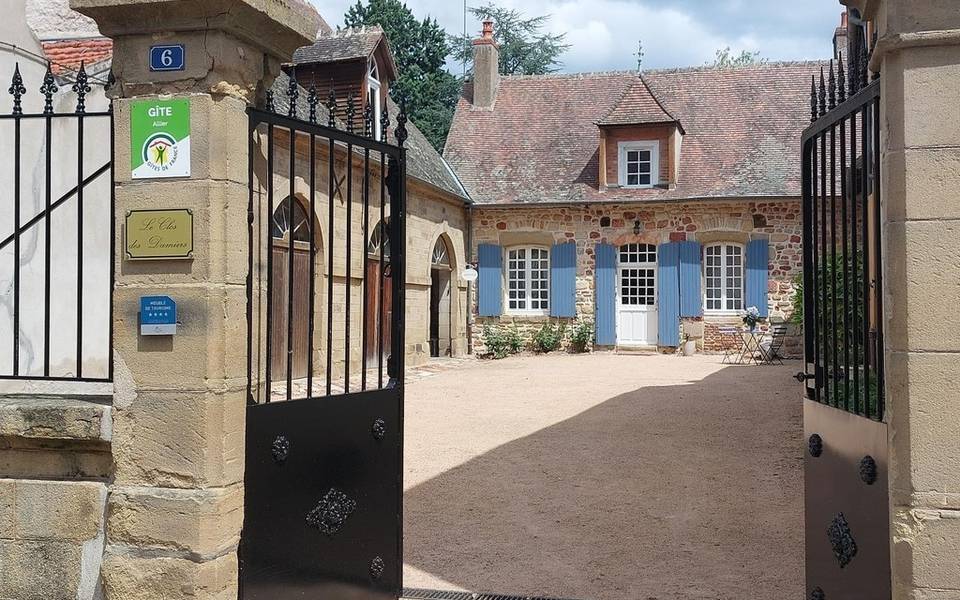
[{"x": 771, "y": 355}]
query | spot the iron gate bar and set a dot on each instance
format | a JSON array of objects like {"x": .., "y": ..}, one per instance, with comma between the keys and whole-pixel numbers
[
  {"x": 40, "y": 216},
  {"x": 847, "y": 278},
  {"x": 331, "y": 177},
  {"x": 424, "y": 594},
  {"x": 48, "y": 117}
]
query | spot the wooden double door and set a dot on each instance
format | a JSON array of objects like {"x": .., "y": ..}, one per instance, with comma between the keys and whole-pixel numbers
[{"x": 299, "y": 330}]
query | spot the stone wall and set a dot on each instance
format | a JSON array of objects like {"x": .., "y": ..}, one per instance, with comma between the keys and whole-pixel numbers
[
  {"x": 431, "y": 215},
  {"x": 706, "y": 221}
]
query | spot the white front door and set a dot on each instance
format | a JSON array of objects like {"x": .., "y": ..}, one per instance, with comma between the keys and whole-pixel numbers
[{"x": 637, "y": 295}]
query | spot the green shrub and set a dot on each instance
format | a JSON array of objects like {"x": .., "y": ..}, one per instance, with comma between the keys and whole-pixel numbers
[
  {"x": 581, "y": 336},
  {"x": 502, "y": 341},
  {"x": 549, "y": 338}
]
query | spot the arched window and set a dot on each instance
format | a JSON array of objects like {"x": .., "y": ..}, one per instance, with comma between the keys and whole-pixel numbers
[
  {"x": 723, "y": 271},
  {"x": 440, "y": 257},
  {"x": 283, "y": 223},
  {"x": 379, "y": 239},
  {"x": 373, "y": 95}
]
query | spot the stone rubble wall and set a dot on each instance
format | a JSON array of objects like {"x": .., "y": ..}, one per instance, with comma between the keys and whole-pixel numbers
[{"x": 706, "y": 221}]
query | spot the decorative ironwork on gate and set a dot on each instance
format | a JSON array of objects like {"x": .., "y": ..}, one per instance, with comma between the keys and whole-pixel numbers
[
  {"x": 846, "y": 503},
  {"x": 56, "y": 279},
  {"x": 302, "y": 345},
  {"x": 843, "y": 305},
  {"x": 325, "y": 301}
]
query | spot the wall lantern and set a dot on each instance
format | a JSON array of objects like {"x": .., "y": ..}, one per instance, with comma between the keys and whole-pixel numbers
[{"x": 636, "y": 227}]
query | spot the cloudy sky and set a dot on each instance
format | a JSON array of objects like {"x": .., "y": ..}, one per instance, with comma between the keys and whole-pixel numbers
[{"x": 604, "y": 33}]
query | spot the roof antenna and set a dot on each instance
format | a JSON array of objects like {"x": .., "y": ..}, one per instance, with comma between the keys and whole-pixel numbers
[{"x": 639, "y": 56}]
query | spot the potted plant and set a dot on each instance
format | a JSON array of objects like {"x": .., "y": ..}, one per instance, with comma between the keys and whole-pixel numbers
[
  {"x": 689, "y": 345},
  {"x": 751, "y": 317}
]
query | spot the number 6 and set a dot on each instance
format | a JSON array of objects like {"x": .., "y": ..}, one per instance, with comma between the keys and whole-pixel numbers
[{"x": 166, "y": 57}]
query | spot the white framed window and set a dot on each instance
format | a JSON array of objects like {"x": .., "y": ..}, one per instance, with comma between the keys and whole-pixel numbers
[
  {"x": 373, "y": 95},
  {"x": 723, "y": 271},
  {"x": 638, "y": 275},
  {"x": 528, "y": 280},
  {"x": 639, "y": 164}
]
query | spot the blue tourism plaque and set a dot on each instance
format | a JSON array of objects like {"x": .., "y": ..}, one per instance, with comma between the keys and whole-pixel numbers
[{"x": 158, "y": 315}]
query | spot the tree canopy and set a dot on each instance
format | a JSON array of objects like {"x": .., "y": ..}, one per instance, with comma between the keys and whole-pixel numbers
[
  {"x": 420, "y": 48},
  {"x": 726, "y": 59},
  {"x": 524, "y": 48}
]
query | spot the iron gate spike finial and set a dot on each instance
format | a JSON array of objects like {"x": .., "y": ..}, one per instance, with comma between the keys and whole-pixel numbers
[
  {"x": 48, "y": 89},
  {"x": 813, "y": 98},
  {"x": 270, "y": 107},
  {"x": 832, "y": 87},
  {"x": 864, "y": 65},
  {"x": 401, "y": 131},
  {"x": 293, "y": 93},
  {"x": 312, "y": 102},
  {"x": 351, "y": 112},
  {"x": 822, "y": 94},
  {"x": 81, "y": 88},
  {"x": 384, "y": 123},
  {"x": 368, "y": 121},
  {"x": 332, "y": 106},
  {"x": 17, "y": 90},
  {"x": 841, "y": 80}
]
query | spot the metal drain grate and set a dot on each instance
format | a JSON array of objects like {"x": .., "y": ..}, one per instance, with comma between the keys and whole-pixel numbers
[{"x": 418, "y": 594}]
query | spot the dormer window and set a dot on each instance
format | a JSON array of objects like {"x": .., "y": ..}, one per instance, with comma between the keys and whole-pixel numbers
[
  {"x": 639, "y": 164},
  {"x": 373, "y": 95}
]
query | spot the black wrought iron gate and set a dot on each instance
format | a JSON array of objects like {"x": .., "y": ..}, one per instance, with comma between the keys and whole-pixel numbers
[
  {"x": 846, "y": 497},
  {"x": 323, "y": 442}
]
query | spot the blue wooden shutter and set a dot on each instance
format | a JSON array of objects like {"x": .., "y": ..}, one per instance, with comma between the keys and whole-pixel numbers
[
  {"x": 605, "y": 295},
  {"x": 491, "y": 275},
  {"x": 758, "y": 257},
  {"x": 563, "y": 280},
  {"x": 691, "y": 298},
  {"x": 668, "y": 288}
]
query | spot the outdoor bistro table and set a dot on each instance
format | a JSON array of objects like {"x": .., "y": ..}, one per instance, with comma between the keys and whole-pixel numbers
[{"x": 751, "y": 351}]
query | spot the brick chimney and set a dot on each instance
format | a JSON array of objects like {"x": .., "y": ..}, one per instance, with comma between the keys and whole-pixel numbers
[
  {"x": 840, "y": 37},
  {"x": 486, "y": 68}
]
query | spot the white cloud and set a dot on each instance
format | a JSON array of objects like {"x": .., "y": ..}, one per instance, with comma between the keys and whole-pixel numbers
[{"x": 604, "y": 33}]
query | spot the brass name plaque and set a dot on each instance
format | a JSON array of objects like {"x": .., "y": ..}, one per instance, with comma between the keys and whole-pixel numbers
[{"x": 159, "y": 234}]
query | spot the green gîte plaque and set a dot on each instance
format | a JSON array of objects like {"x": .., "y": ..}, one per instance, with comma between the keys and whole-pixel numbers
[
  {"x": 159, "y": 234},
  {"x": 160, "y": 138}
]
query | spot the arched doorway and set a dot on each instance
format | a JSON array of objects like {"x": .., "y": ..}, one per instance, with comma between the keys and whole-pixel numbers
[
  {"x": 379, "y": 313},
  {"x": 441, "y": 295},
  {"x": 290, "y": 233}
]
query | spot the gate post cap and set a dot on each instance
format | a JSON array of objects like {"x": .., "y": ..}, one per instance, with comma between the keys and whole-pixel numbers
[{"x": 277, "y": 26}]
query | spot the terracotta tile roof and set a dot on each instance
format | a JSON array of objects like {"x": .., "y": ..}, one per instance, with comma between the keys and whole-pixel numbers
[
  {"x": 637, "y": 106},
  {"x": 66, "y": 55},
  {"x": 540, "y": 141},
  {"x": 423, "y": 161}
]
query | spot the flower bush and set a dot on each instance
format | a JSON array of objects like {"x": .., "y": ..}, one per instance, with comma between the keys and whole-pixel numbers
[
  {"x": 501, "y": 342},
  {"x": 549, "y": 338},
  {"x": 581, "y": 336}
]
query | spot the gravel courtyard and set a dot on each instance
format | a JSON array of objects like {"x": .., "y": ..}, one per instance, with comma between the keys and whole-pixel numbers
[{"x": 605, "y": 477}]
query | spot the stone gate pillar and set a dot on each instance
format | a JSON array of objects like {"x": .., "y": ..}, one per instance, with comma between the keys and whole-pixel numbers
[
  {"x": 175, "y": 505},
  {"x": 918, "y": 56}
]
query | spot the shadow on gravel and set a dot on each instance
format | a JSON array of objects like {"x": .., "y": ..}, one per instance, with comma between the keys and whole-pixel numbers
[{"x": 676, "y": 492}]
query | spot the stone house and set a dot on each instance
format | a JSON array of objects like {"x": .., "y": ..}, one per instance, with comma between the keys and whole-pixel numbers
[
  {"x": 360, "y": 62},
  {"x": 659, "y": 204}
]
